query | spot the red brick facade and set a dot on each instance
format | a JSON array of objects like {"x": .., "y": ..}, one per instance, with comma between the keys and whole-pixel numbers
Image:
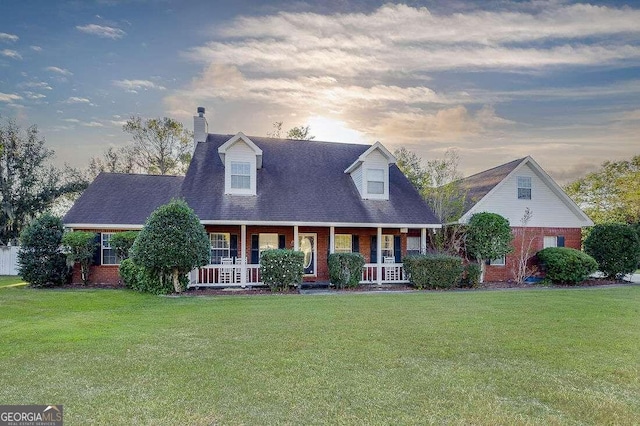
[
  {"x": 108, "y": 274},
  {"x": 572, "y": 239}
]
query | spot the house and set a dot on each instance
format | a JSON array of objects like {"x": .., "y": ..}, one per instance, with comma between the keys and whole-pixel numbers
[
  {"x": 509, "y": 190},
  {"x": 257, "y": 193}
]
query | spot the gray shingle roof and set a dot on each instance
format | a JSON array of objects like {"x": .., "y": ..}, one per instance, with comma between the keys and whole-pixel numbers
[
  {"x": 123, "y": 199},
  {"x": 480, "y": 184},
  {"x": 300, "y": 181}
]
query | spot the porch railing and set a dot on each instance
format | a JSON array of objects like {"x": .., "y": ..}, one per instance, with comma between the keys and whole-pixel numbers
[
  {"x": 390, "y": 273},
  {"x": 231, "y": 275}
]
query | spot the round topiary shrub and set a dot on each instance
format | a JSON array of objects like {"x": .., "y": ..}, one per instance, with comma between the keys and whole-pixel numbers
[
  {"x": 345, "y": 269},
  {"x": 566, "y": 265},
  {"x": 616, "y": 248},
  {"x": 281, "y": 269}
]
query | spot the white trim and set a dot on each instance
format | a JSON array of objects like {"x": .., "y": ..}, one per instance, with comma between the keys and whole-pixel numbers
[
  {"x": 222, "y": 150},
  {"x": 555, "y": 188},
  {"x": 389, "y": 156},
  {"x": 267, "y": 223},
  {"x": 379, "y": 256}
]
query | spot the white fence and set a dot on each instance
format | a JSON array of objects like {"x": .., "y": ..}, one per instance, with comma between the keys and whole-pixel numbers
[{"x": 9, "y": 260}]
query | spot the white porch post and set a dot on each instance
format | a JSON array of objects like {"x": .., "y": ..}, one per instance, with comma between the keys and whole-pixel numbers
[
  {"x": 423, "y": 241},
  {"x": 332, "y": 239},
  {"x": 296, "y": 243},
  {"x": 379, "y": 251},
  {"x": 243, "y": 257}
]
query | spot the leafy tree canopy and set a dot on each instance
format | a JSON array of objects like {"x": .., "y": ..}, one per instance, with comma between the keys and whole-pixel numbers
[
  {"x": 611, "y": 194},
  {"x": 299, "y": 132},
  {"x": 29, "y": 185},
  {"x": 616, "y": 248},
  {"x": 488, "y": 236}
]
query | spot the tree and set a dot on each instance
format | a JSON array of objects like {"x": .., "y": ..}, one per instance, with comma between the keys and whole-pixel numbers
[
  {"x": 302, "y": 133},
  {"x": 29, "y": 186},
  {"x": 443, "y": 192},
  {"x": 113, "y": 161},
  {"x": 80, "y": 246},
  {"x": 160, "y": 145},
  {"x": 488, "y": 237},
  {"x": 172, "y": 243},
  {"x": 40, "y": 262},
  {"x": 299, "y": 132},
  {"x": 616, "y": 248},
  {"x": 122, "y": 243},
  {"x": 411, "y": 165},
  {"x": 611, "y": 194},
  {"x": 522, "y": 270}
]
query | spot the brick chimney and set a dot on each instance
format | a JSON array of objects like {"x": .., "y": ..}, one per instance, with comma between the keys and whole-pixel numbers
[{"x": 200, "y": 128}]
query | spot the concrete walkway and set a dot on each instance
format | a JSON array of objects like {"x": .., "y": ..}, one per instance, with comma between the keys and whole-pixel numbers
[{"x": 634, "y": 278}]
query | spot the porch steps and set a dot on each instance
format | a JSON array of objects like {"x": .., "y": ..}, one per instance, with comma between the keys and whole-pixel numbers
[{"x": 314, "y": 288}]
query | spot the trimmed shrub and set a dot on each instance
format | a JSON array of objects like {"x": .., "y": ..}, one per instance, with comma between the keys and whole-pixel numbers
[
  {"x": 434, "y": 270},
  {"x": 616, "y": 248},
  {"x": 139, "y": 279},
  {"x": 79, "y": 247},
  {"x": 471, "y": 278},
  {"x": 566, "y": 265},
  {"x": 40, "y": 261},
  {"x": 345, "y": 269},
  {"x": 281, "y": 268},
  {"x": 172, "y": 242},
  {"x": 122, "y": 243}
]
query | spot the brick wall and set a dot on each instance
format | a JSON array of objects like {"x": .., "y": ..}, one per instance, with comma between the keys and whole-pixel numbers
[{"x": 573, "y": 239}]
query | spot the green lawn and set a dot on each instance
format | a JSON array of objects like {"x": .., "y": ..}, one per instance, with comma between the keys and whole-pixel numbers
[
  {"x": 491, "y": 357},
  {"x": 11, "y": 281}
]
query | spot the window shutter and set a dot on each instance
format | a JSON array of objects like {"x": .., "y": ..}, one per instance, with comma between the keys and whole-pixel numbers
[
  {"x": 397, "y": 248},
  {"x": 282, "y": 243},
  {"x": 560, "y": 240},
  {"x": 255, "y": 250},
  {"x": 233, "y": 245},
  {"x": 374, "y": 246},
  {"x": 97, "y": 254},
  {"x": 355, "y": 244}
]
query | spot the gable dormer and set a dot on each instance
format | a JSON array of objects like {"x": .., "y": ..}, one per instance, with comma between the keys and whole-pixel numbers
[
  {"x": 370, "y": 172},
  {"x": 241, "y": 159}
]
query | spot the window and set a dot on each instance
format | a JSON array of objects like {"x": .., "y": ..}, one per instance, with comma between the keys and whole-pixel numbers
[
  {"x": 219, "y": 247},
  {"x": 267, "y": 242},
  {"x": 343, "y": 243},
  {"x": 524, "y": 188},
  {"x": 387, "y": 246},
  {"x": 375, "y": 181},
  {"x": 550, "y": 242},
  {"x": 557, "y": 241},
  {"x": 109, "y": 256},
  {"x": 240, "y": 175},
  {"x": 413, "y": 246},
  {"x": 501, "y": 261}
]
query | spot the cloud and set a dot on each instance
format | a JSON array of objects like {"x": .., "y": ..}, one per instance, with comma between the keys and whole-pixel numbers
[
  {"x": 32, "y": 95},
  {"x": 93, "y": 124},
  {"x": 135, "y": 85},
  {"x": 76, "y": 100},
  {"x": 10, "y": 54},
  {"x": 102, "y": 31},
  {"x": 71, "y": 120},
  {"x": 10, "y": 38},
  {"x": 36, "y": 48},
  {"x": 61, "y": 71},
  {"x": 9, "y": 97},
  {"x": 35, "y": 85}
]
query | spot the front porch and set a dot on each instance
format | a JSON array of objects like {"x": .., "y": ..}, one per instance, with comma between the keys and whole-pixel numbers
[{"x": 238, "y": 275}]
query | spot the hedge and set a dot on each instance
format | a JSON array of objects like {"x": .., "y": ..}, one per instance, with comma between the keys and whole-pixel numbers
[
  {"x": 281, "y": 269},
  {"x": 345, "y": 269},
  {"x": 434, "y": 270},
  {"x": 566, "y": 265}
]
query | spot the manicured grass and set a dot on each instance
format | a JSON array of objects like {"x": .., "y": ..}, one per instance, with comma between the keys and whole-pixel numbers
[
  {"x": 11, "y": 281},
  {"x": 493, "y": 357}
]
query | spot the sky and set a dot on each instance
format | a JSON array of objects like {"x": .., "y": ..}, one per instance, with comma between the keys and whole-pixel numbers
[{"x": 496, "y": 80}]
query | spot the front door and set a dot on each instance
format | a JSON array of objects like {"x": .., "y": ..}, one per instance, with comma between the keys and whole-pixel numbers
[{"x": 307, "y": 244}]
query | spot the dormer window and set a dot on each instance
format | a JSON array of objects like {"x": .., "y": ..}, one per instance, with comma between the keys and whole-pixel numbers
[
  {"x": 375, "y": 181},
  {"x": 524, "y": 188},
  {"x": 370, "y": 172},
  {"x": 240, "y": 175},
  {"x": 241, "y": 159}
]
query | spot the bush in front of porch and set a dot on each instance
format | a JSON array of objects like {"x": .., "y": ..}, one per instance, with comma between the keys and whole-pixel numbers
[
  {"x": 281, "y": 269},
  {"x": 434, "y": 271},
  {"x": 345, "y": 269}
]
